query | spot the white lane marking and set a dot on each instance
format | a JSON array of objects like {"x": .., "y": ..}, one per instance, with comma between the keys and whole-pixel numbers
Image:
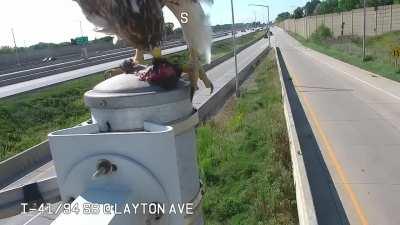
[
  {"x": 349, "y": 75},
  {"x": 356, "y": 78},
  {"x": 31, "y": 219},
  {"x": 14, "y": 89}
]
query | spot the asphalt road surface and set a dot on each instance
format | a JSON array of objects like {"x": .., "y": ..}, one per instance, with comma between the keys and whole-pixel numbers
[
  {"x": 352, "y": 150},
  {"x": 21, "y": 87},
  {"x": 219, "y": 75}
]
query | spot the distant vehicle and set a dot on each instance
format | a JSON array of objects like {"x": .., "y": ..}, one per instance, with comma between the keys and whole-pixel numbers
[
  {"x": 268, "y": 34},
  {"x": 49, "y": 59}
]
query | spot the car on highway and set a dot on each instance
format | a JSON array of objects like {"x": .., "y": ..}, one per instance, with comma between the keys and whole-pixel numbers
[
  {"x": 49, "y": 59},
  {"x": 268, "y": 34}
]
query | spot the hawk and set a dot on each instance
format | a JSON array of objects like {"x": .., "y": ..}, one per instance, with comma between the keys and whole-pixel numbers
[{"x": 140, "y": 23}]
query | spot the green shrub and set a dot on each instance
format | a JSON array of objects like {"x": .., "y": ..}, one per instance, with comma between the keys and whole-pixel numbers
[
  {"x": 368, "y": 58},
  {"x": 321, "y": 34},
  {"x": 244, "y": 157}
]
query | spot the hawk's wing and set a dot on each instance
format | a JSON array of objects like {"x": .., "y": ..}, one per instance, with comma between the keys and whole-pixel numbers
[{"x": 140, "y": 23}]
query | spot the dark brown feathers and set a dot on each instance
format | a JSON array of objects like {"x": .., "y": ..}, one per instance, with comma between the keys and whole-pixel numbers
[{"x": 138, "y": 22}]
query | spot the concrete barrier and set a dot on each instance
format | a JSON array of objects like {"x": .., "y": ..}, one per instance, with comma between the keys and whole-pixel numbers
[
  {"x": 305, "y": 204},
  {"x": 222, "y": 59},
  {"x": 215, "y": 102},
  {"x": 21, "y": 164},
  {"x": 45, "y": 191}
]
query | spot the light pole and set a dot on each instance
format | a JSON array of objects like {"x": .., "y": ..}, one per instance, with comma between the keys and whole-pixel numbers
[
  {"x": 15, "y": 47},
  {"x": 265, "y": 6},
  {"x": 84, "y": 51},
  {"x": 255, "y": 19},
  {"x": 237, "y": 91},
  {"x": 364, "y": 27},
  {"x": 295, "y": 23},
  {"x": 80, "y": 26}
]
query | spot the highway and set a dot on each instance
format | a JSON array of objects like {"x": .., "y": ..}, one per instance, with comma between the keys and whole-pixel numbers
[
  {"x": 69, "y": 60},
  {"x": 350, "y": 136},
  {"x": 52, "y": 75},
  {"x": 219, "y": 75}
]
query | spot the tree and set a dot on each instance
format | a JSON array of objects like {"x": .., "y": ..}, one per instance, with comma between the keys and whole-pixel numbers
[
  {"x": 106, "y": 39},
  {"x": 328, "y": 6},
  {"x": 6, "y": 49},
  {"x": 298, "y": 13},
  {"x": 42, "y": 45},
  {"x": 282, "y": 16},
  {"x": 347, "y": 5},
  {"x": 375, "y": 3},
  {"x": 309, "y": 8}
]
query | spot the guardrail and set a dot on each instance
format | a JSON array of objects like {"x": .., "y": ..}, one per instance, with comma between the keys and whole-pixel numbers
[
  {"x": 60, "y": 63},
  {"x": 35, "y": 73},
  {"x": 36, "y": 63},
  {"x": 14, "y": 78},
  {"x": 304, "y": 199},
  {"x": 213, "y": 104}
]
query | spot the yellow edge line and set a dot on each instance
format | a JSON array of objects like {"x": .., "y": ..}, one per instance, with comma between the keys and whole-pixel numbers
[{"x": 332, "y": 157}]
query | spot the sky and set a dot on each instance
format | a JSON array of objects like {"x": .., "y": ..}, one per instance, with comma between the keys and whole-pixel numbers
[{"x": 57, "y": 21}]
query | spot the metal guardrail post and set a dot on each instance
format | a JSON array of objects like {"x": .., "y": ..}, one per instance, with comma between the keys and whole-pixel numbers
[
  {"x": 352, "y": 22},
  {"x": 364, "y": 28},
  {"x": 391, "y": 18}
]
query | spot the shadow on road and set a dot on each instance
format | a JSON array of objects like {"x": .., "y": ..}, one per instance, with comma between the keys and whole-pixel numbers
[
  {"x": 302, "y": 88},
  {"x": 329, "y": 209}
]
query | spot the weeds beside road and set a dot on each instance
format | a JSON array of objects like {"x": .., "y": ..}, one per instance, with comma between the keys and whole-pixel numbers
[
  {"x": 349, "y": 50},
  {"x": 245, "y": 159},
  {"x": 26, "y": 119}
]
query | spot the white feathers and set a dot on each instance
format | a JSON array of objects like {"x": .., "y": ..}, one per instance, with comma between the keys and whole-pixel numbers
[
  {"x": 197, "y": 30},
  {"x": 115, "y": 39},
  {"x": 135, "y": 6},
  {"x": 101, "y": 24}
]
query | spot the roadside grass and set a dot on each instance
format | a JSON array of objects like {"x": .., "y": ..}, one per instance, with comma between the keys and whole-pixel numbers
[
  {"x": 244, "y": 157},
  {"x": 26, "y": 119},
  {"x": 349, "y": 49},
  {"x": 226, "y": 46},
  {"x": 220, "y": 48}
]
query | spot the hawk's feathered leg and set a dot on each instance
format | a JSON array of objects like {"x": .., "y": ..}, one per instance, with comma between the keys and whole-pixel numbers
[
  {"x": 197, "y": 33},
  {"x": 139, "y": 57},
  {"x": 197, "y": 71}
]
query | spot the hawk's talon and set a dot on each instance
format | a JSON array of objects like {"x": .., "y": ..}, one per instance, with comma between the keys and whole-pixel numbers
[
  {"x": 139, "y": 57},
  {"x": 197, "y": 71}
]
